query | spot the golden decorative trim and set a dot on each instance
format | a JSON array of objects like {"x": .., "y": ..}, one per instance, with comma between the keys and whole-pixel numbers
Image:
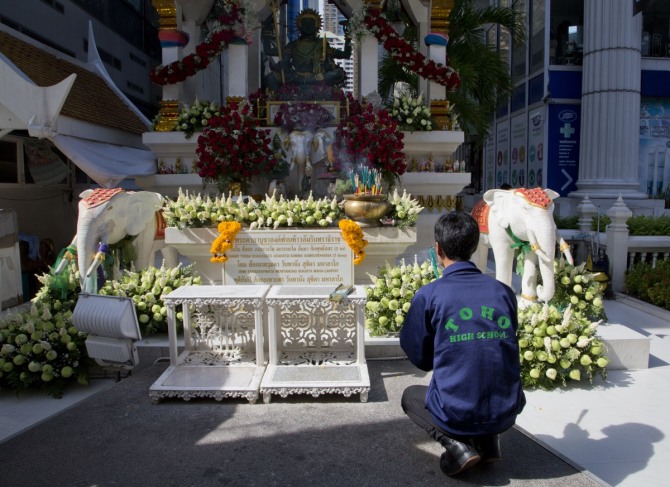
[
  {"x": 169, "y": 114},
  {"x": 441, "y": 109},
  {"x": 528, "y": 298},
  {"x": 564, "y": 246},
  {"x": 439, "y": 15},
  {"x": 535, "y": 247},
  {"x": 439, "y": 202},
  {"x": 373, "y": 3},
  {"x": 167, "y": 14}
]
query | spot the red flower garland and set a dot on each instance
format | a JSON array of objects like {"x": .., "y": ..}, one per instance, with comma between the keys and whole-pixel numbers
[
  {"x": 232, "y": 148},
  {"x": 406, "y": 55},
  {"x": 205, "y": 52}
]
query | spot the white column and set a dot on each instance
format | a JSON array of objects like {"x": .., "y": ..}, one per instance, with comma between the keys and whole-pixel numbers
[
  {"x": 438, "y": 54},
  {"x": 609, "y": 138},
  {"x": 368, "y": 65},
  {"x": 235, "y": 74},
  {"x": 189, "y": 85}
]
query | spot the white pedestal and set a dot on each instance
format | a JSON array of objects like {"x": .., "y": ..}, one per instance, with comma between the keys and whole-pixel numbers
[
  {"x": 223, "y": 344},
  {"x": 316, "y": 346},
  {"x": 626, "y": 348}
]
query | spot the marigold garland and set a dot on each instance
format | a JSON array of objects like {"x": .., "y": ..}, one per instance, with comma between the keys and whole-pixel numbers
[
  {"x": 353, "y": 236},
  {"x": 406, "y": 55},
  {"x": 224, "y": 242}
]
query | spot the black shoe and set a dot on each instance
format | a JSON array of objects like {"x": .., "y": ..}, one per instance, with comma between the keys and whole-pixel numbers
[
  {"x": 458, "y": 457},
  {"x": 488, "y": 448}
]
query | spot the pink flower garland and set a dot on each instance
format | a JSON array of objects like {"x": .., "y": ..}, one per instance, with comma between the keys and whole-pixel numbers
[
  {"x": 406, "y": 55},
  {"x": 229, "y": 22}
]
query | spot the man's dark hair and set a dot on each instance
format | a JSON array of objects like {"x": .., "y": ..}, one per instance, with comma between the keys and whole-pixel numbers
[{"x": 457, "y": 234}]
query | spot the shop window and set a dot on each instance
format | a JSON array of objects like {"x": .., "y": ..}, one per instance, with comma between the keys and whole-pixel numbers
[
  {"x": 536, "y": 31},
  {"x": 566, "y": 40},
  {"x": 656, "y": 30}
]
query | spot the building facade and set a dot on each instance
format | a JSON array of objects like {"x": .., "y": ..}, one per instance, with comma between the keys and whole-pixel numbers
[
  {"x": 590, "y": 108},
  {"x": 125, "y": 33}
]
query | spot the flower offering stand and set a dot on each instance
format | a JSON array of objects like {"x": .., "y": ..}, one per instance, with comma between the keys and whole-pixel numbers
[
  {"x": 223, "y": 344},
  {"x": 316, "y": 345}
]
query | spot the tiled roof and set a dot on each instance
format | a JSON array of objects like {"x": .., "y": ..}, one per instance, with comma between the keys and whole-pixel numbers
[{"x": 90, "y": 99}]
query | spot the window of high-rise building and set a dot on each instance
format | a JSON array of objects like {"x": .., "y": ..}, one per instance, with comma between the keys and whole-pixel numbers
[
  {"x": 656, "y": 29},
  {"x": 566, "y": 40}
]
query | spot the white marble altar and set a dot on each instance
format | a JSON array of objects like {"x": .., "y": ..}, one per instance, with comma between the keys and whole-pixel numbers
[{"x": 223, "y": 343}]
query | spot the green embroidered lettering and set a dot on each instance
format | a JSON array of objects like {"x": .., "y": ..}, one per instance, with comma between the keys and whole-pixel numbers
[
  {"x": 465, "y": 313},
  {"x": 487, "y": 312},
  {"x": 504, "y": 322},
  {"x": 450, "y": 325}
]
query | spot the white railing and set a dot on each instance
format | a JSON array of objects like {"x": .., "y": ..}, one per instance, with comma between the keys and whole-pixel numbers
[{"x": 623, "y": 250}]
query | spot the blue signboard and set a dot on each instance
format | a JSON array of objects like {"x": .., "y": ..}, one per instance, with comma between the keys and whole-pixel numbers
[{"x": 563, "y": 148}]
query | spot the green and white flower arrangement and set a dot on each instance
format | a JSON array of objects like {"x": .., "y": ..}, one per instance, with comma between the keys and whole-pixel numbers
[
  {"x": 404, "y": 209},
  {"x": 193, "y": 211},
  {"x": 411, "y": 113},
  {"x": 147, "y": 289},
  {"x": 555, "y": 347},
  {"x": 558, "y": 341},
  {"x": 198, "y": 211},
  {"x": 194, "y": 118},
  {"x": 389, "y": 298},
  {"x": 39, "y": 346}
]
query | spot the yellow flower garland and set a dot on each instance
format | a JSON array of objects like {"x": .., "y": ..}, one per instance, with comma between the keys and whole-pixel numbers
[
  {"x": 353, "y": 236},
  {"x": 224, "y": 242}
]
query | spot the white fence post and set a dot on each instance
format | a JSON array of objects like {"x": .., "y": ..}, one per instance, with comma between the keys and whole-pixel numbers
[
  {"x": 617, "y": 243},
  {"x": 586, "y": 211}
]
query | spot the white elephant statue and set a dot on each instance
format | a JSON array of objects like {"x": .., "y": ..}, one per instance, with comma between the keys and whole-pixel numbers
[
  {"x": 520, "y": 220},
  {"x": 109, "y": 215},
  {"x": 299, "y": 144}
]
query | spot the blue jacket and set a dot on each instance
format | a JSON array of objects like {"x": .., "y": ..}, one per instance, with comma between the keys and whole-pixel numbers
[{"x": 463, "y": 327}]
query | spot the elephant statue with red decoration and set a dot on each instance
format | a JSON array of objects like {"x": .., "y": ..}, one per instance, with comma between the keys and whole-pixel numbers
[
  {"x": 521, "y": 221},
  {"x": 106, "y": 216}
]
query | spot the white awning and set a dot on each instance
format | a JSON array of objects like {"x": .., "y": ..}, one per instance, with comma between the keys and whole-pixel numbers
[{"x": 106, "y": 164}]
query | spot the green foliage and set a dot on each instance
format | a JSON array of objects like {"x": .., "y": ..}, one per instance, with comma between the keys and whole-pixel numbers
[
  {"x": 650, "y": 284},
  {"x": 604, "y": 221},
  {"x": 649, "y": 226},
  {"x": 485, "y": 79},
  {"x": 567, "y": 222}
]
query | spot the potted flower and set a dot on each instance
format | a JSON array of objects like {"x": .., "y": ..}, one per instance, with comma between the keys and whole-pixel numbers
[
  {"x": 232, "y": 149},
  {"x": 411, "y": 113}
]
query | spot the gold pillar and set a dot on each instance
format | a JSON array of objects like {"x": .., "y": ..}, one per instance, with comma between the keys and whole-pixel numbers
[
  {"x": 441, "y": 110},
  {"x": 439, "y": 15},
  {"x": 167, "y": 14},
  {"x": 167, "y": 20},
  {"x": 169, "y": 114}
]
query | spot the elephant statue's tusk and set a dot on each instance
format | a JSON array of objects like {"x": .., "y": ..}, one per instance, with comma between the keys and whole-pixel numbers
[
  {"x": 564, "y": 247},
  {"x": 99, "y": 258}
]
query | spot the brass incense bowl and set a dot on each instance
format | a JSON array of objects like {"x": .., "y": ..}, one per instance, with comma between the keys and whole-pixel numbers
[{"x": 366, "y": 209}]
